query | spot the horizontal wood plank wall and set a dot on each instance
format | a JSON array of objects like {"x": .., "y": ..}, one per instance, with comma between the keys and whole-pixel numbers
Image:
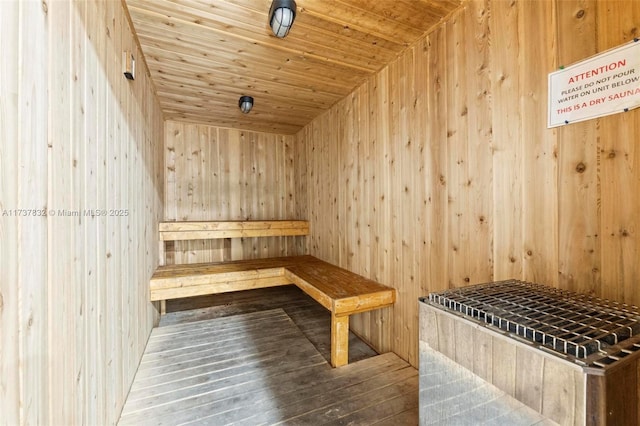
[
  {"x": 440, "y": 172},
  {"x": 225, "y": 174},
  {"x": 76, "y": 139}
]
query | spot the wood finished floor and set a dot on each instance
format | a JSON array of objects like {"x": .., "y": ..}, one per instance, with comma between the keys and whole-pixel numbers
[
  {"x": 238, "y": 360},
  {"x": 306, "y": 313}
]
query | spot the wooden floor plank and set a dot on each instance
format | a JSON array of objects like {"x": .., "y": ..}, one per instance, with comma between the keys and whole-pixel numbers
[
  {"x": 254, "y": 322},
  {"x": 240, "y": 332},
  {"x": 389, "y": 402},
  {"x": 407, "y": 417},
  {"x": 160, "y": 360},
  {"x": 231, "y": 362},
  {"x": 218, "y": 365},
  {"x": 342, "y": 401},
  {"x": 224, "y": 321},
  {"x": 207, "y": 336},
  {"x": 305, "y": 312},
  {"x": 195, "y": 355},
  {"x": 301, "y": 394},
  {"x": 206, "y": 381},
  {"x": 228, "y": 359},
  {"x": 241, "y": 398}
]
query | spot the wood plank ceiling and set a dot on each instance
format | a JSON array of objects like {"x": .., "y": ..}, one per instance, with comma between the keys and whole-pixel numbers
[{"x": 204, "y": 54}]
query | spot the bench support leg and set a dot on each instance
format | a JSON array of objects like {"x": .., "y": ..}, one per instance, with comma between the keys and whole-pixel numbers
[
  {"x": 339, "y": 340},
  {"x": 163, "y": 307}
]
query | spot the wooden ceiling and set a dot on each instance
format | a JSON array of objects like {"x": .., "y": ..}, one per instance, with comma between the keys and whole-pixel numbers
[{"x": 204, "y": 54}]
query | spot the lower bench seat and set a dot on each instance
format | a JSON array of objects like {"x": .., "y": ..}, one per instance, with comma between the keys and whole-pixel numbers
[{"x": 340, "y": 291}]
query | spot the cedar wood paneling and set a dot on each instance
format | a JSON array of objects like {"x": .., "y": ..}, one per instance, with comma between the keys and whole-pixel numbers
[
  {"x": 75, "y": 137},
  {"x": 440, "y": 172}
]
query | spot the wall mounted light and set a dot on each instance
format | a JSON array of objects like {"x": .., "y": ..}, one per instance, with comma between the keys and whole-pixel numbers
[
  {"x": 281, "y": 16},
  {"x": 245, "y": 103},
  {"x": 128, "y": 65}
]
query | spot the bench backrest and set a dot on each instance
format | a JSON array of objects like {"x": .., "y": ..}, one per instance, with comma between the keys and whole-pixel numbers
[{"x": 179, "y": 231}]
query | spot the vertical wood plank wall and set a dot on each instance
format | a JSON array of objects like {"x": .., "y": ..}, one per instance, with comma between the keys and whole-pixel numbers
[
  {"x": 75, "y": 136},
  {"x": 227, "y": 174},
  {"x": 440, "y": 172}
]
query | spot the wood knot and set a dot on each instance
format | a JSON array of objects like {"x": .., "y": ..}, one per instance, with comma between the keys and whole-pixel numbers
[
  {"x": 45, "y": 7},
  {"x": 467, "y": 279},
  {"x": 612, "y": 154},
  {"x": 529, "y": 253},
  {"x": 512, "y": 259},
  {"x": 580, "y": 167},
  {"x": 580, "y": 14}
]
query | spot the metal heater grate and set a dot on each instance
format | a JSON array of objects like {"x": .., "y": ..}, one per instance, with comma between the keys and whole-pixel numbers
[{"x": 589, "y": 330}]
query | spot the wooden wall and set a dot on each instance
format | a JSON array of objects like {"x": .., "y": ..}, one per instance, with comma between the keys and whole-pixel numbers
[
  {"x": 225, "y": 174},
  {"x": 75, "y": 136},
  {"x": 440, "y": 172}
]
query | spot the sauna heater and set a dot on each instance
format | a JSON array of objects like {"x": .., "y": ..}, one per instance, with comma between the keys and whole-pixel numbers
[{"x": 569, "y": 356}]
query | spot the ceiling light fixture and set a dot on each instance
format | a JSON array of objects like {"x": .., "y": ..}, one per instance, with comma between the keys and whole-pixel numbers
[
  {"x": 245, "y": 103},
  {"x": 281, "y": 16}
]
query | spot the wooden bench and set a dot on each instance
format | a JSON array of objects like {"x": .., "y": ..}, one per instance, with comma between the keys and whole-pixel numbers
[
  {"x": 179, "y": 231},
  {"x": 340, "y": 291}
]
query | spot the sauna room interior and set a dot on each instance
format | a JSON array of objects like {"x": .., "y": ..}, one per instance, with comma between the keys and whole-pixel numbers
[{"x": 410, "y": 137}]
